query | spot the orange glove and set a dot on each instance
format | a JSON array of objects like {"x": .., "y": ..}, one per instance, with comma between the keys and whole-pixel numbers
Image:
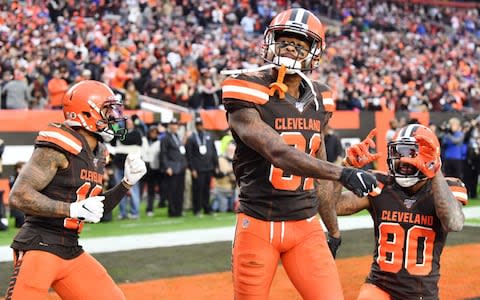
[
  {"x": 428, "y": 158},
  {"x": 359, "y": 155}
]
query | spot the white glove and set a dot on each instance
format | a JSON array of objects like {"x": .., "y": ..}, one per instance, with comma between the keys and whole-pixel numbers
[
  {"x": 88, "y": 210},
  {"x": 135, "y": 168}
]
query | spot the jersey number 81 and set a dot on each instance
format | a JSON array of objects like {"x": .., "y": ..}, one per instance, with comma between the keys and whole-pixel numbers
[{"x": 293, "y": 182}]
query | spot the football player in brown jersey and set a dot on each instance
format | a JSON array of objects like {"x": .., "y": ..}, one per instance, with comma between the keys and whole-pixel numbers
[
  {"x": 413, "y": 209},
  {"x": 277, "y": 115},
  {"x": 58, "y": 189}
]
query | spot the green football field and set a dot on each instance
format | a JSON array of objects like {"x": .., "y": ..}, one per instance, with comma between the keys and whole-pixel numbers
[
  {"x": 145, "y": 264},
  {"x": 161, "y": 223}
]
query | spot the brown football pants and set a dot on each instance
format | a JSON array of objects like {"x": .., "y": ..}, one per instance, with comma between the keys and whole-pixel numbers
[
  {"x": 80, "y": 278},
  {"x": 302, "y": 247},
  {"x": 370, "y": 291}
]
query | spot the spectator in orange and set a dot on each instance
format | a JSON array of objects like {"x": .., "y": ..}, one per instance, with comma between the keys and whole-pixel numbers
[
  {"x": 121, "y": 75},
  {"x": 57, "y": 86}
]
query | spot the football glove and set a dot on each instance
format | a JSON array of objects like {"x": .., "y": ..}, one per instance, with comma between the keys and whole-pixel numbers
[
  {"x": 88, "y": 210},
  {"x": 427, "y": 161},
  {"x": 333, "y": 244},
  {"x": 135, "y": 168},
  {"x": 359, "y": 155},
  {"x": 361, "y": 183}
]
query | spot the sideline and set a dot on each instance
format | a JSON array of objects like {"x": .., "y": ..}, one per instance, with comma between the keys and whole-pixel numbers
[{"x": 196, "y": 236}]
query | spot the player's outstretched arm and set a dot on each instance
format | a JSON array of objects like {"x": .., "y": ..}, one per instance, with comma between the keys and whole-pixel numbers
[
  {"x": 448, "y": 208},
  {"x": 255, "y": 133},
  {"x": 348, "y": 204},
  {"x": 34, "y": 177}
]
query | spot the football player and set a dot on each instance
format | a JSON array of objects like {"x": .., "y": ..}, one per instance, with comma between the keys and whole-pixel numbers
[
  {"x": 413, "y": 209},
  {"x": 277, "y": 115},
  {"x": 59, "y": 189}
]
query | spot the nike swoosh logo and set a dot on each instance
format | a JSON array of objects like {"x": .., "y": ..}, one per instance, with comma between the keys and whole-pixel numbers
[
  {"x": 360, "y": 177},
  {"x": 85, "y": 208}
]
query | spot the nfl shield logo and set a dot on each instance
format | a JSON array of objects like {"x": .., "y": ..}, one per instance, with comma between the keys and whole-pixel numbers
[
  {"x": 409, "y": 202},
  {"x": 95, "y": 162},
  {"x": 245, "y": 223}
]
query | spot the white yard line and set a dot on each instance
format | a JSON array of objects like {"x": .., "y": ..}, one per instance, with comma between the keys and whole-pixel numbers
[{"x": 197, "y": 236}]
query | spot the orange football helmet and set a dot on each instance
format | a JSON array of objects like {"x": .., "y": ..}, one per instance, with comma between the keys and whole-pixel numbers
[
  {"x": 302, "y": 24},
  {"x": 93, "y": 105},
  {"x": 413, "y": 155}
]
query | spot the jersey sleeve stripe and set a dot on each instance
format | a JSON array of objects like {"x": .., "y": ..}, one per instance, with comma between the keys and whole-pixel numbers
[
  {"x": 461, "y": 197},
  {"x": 60, "y": 139},
  {"x": 245, "y": 84},
  {"x": 458, "y": 189},
  {"x": 327, "y": 99},
  {"x": 244, "y": 93}
]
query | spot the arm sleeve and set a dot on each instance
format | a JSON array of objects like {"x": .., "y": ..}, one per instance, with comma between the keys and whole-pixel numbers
[{"x": 113, "y": 196}]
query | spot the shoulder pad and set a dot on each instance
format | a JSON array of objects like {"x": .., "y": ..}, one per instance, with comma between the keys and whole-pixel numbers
[
  {"x": 458, "y": 189},
  {"x": 382, "y": 179},
  {"x": 246, "y": 89},
  {"x": 59, "y": 136},
  {"x": 326, "y": 94}
]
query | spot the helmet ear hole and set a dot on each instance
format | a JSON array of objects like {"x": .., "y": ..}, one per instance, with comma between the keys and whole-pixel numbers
[{"x": 87, "y": 114}]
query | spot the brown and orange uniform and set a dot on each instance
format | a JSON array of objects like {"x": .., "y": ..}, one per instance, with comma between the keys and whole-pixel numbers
[{"x": 277, "y": 213}]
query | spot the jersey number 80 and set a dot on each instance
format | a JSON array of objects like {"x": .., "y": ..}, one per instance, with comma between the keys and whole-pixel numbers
[{"x": 417, "y": 242}]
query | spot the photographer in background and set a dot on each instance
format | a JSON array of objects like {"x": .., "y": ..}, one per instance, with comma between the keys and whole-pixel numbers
[{"x": 454, "y": 151}]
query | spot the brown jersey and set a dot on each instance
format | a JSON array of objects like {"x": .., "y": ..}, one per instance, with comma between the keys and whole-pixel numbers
[
  {"x": 267, "y": 192},
  {"x": 81, "y": 179},
  {"x": 409, "y": 239}
]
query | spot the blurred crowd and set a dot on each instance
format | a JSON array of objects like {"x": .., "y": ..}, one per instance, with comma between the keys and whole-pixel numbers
[
  {"x": 381, "y": 55},
  {"x": 404, "y": 57}
]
